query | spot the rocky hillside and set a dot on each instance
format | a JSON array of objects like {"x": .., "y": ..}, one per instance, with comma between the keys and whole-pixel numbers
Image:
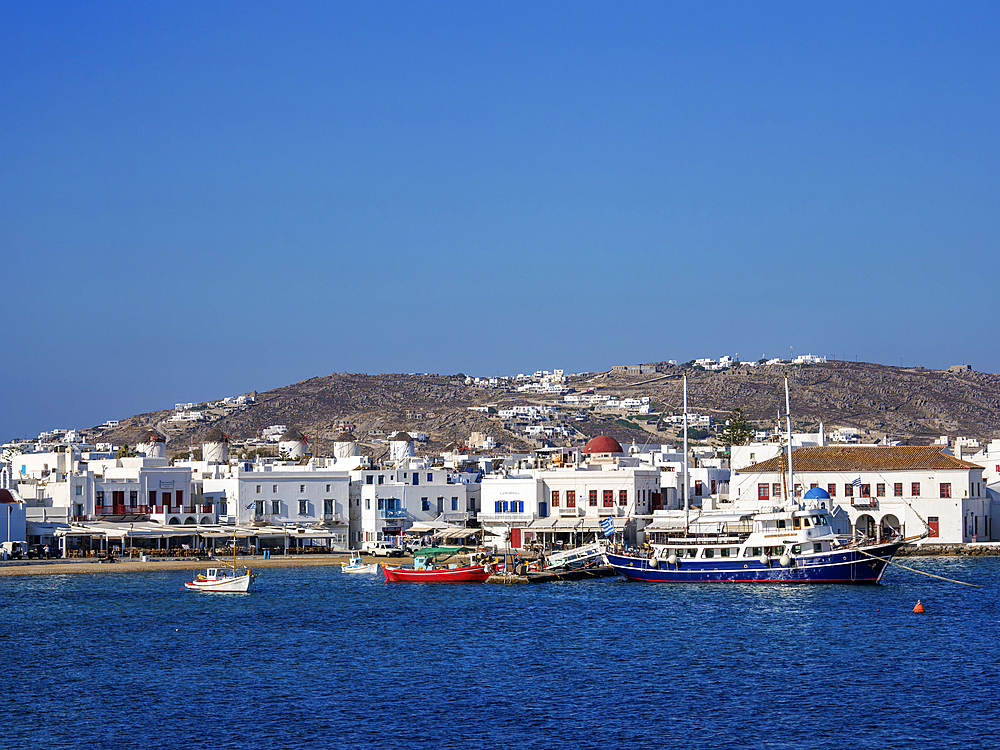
[{"x": 913, "y": 404}]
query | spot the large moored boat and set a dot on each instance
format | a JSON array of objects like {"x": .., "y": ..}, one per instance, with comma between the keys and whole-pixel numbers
[{"x": 771, "y": 546}]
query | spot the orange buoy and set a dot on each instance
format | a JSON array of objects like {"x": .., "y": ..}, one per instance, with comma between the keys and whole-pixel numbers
[{"x": 919, "y": 608}]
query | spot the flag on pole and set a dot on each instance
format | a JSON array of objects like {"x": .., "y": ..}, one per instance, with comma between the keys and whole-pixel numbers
[
  {"x": 608, "y": 526},
  {"x": 250, "y": 506},
  {"x": 857, "y": 482}
]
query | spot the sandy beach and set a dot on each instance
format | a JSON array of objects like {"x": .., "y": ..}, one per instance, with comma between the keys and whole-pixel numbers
[{"x": 61, "y": 567}]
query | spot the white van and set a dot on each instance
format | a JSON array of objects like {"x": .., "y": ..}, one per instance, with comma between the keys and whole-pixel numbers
[{"x": 381, "y": 549}]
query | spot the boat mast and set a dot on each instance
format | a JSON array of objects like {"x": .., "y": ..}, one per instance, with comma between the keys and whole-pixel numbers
[
  {"x": 685, "y": 454},
  {"x": 788, "y": 416}
]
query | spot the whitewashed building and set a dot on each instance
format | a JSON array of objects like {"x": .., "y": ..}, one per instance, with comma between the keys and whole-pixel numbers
[
  {"x": 883, "y": 489},
  {"x": 566, "y": 502},
  {"x": 394, "y": 499}
]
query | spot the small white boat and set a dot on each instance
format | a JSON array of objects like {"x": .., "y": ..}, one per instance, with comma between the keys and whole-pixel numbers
[
  {"x": 223, "y": 581},
  {"x": 357, "y": 565}
]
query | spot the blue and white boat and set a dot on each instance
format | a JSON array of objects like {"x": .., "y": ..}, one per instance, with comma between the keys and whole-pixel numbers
[
  {"x": 792, "y": 543},
  {"x": 774, "y": 546}
]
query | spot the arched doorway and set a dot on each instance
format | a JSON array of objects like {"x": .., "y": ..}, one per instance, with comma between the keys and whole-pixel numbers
[
  {"x": 865, "y": 526},
  {"x": 890, "y": 526}
]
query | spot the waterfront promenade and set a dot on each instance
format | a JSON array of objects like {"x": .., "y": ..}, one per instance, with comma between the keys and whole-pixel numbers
[{"x": 63, "y": 566}]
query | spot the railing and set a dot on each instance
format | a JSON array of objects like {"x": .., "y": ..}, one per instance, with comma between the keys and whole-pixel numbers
[
  {"x": 508, "y": 517},
  {"x": 564, "y": 511},
  {"x": 122, "y": 510},
  {"x": 392, "y": 514},
  {"x": 864, "y": 502}
]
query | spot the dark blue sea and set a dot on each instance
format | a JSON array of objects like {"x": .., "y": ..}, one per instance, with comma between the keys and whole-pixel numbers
[{"x": 318, "y": 659}]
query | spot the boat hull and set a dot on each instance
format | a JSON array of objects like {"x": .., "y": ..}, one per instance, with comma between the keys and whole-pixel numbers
[
  {"x": 467, "y": 574},
  {"x": 237, "y": 585},
  {"x": 373, "y": 568},
  {"x": 578, "y": 574},
  {"x": 863, "y": 565}
]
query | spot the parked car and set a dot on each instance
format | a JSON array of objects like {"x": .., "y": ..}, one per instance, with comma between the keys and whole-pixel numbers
[{"x": 381, "y": 549}]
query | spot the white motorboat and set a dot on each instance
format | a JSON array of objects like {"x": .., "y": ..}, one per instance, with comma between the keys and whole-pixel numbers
[
  {"x": 223, "y": 580},
  {"x": 357, "y": 565}
]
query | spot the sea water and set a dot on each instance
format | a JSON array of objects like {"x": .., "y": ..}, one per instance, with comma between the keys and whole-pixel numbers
[{"x": 315, "y": 658}]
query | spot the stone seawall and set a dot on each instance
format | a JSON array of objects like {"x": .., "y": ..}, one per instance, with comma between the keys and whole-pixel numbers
[{"x": 958, "y": 550}]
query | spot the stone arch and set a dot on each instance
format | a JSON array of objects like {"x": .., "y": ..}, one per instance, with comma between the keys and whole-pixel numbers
[
  {"x": 173, "y": 522},
  {"x": 190, "y": 521},
  {"x": 865, "y": 526},
  {"x": 890, "y": 526},
  {"x": 206, "y": 521}
]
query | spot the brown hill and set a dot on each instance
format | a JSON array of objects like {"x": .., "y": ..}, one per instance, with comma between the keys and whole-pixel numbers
[{"x": 912, "y": 404}]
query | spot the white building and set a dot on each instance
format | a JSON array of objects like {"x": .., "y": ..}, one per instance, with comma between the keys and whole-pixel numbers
[
  {"x": 395, "y": 499},
  {"x": 566, "y": 503},
  {"x": 905, "y": 489}
]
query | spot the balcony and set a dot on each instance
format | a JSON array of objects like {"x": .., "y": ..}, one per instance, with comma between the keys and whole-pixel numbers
[
  {"x": 508, "y": 518},
  {"x": 392, "y": 513},
  {"x": 868, "y": 503},
  {"x": 564, "y": 512}
]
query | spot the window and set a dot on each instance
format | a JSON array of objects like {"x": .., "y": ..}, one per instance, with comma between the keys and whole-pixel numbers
[
  {"x": 180, "y": 498},
  {"x": 99, "y": 497},
  {"x": 934, "y": 523},
  {"x": 866, "y": 490},
  {"x": 781, "y": 523},
  {"x": 133, "y": 497},
  {"x": 623, "y": 497},
  {"x": 258, "y": 489},
  {"x": 555, "y": 498},
  {"x": 593, "y": 498},
  {"x": 381, "y": 503},
  {"x": 368, "y": 503},
  {"x": 274, "y": 489},
  {"x": 440, "y": 505},
  {"x": 915, "y": 489},
  {"x": 897, "y": 489},
  {"x": 276, "y": 507},
  {"x": 223, "y": 508},
  {"x": 831, "y": 490},
  {"x": 79, "y": 489},
  {"x": 328, "y": 488},
  {"x": 454, "y": 503},
  {"x": 496, "y": 508},
  {"x": 880, "y": 489},
  {"x": 416, "y": 478},
  {"x": 609, "y": 498},
  {"x": 763, "y": 491},
  {"x": 152, "y": 497},
  {"x": 946, "y": 489},
  {"x": 776, "y": 489},
  {"x": 430, "y": 477},
  {"x": 817, "y": 547},
  {"x": 328, "y": 506},
  {"x": 302, "y": 488},
  {"x": 381, "y": 479},
  {"x": 713, "y": 486},
  {"x": 570, "y": 498},
  {"x": 370, "y": 479},
  {"x": 848, "y": 490},
  {"x": 303, "y": 507},
  {"x": 697, "y": 488},
  {"x": 425, "y": 504}
]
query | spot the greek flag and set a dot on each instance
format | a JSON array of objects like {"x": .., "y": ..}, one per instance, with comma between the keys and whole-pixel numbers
[
  {"x": 857, "y": 482},
  {"x": 608, "y": 527},
  {"x": 249, "y": 506}
]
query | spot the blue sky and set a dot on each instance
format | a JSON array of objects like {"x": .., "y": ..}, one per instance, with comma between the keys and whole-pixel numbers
[{"x": 203, "y": 199}]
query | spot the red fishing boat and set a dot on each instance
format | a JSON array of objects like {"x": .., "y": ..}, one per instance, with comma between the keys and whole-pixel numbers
[{"x": 427, "y": 573}]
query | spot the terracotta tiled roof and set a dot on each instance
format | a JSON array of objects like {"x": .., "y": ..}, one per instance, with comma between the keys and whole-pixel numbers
[{"x": 865, "y": 458}]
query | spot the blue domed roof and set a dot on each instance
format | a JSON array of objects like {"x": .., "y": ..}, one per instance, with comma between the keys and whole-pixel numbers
[{"x": 817, "y": 493}]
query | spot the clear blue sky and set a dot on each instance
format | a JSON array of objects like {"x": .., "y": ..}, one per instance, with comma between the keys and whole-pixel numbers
[{"x": 202, "y": 199}]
